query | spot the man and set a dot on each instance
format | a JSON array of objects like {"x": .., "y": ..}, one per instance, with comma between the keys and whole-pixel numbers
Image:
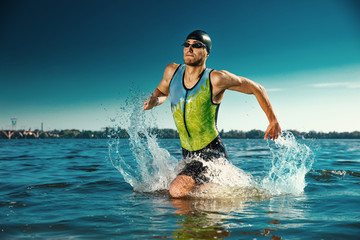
[{"x": 196, "y": 92}]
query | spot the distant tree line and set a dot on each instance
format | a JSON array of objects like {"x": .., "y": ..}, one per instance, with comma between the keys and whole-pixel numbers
[
  {"x": 253, "y": 134},
  {"x": 312, "y": 134},
  {"x": 171, "y": 133},
  {"x": 329, "y": 135}
]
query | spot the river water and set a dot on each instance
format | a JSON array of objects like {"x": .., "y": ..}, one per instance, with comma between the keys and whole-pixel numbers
[{"x": 70, "y": 189}]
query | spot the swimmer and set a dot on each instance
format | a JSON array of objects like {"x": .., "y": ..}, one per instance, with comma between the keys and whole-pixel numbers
[{"x": 195, "y": 94}]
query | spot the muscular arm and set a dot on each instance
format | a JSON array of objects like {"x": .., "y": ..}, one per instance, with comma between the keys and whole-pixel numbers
[
  {"x": 162, "y": 91},
  {"x": 223, "y": 80}
]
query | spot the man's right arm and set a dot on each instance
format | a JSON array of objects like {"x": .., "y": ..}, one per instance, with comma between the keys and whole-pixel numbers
[{"x": 162, "y": 91}]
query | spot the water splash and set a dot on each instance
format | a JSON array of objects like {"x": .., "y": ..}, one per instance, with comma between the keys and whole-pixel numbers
[
  {"x": 152, "y": 168},
  {"x": 291, "y": 161},
  {"x": 149, "y": 168}
]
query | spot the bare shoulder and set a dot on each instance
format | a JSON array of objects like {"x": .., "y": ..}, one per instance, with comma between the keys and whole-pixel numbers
[
  {"x": 173, "y": 66},
  {"x": 222, "y": 78},
  {"x": 164, "y": 84},
  {"x": 170, "y": 70},
  {"x": 218, "y": 75}
]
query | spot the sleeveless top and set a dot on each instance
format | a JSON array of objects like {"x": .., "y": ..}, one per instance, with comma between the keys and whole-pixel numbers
[{"x": 194, "y": 113}]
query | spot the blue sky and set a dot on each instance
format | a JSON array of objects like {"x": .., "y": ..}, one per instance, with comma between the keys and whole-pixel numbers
[{"x": 71, "y": 64}]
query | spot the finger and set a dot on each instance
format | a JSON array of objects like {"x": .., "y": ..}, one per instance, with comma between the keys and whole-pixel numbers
[
  {"x": 146, "y": 105},
  {"x": 266, "y": 135},
  {"x": 273, "y": 134},
  {"x": 278, "y": 134}
]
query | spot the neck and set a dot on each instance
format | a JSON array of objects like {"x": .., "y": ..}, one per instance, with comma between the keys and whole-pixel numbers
[{"x": 192, "y": 73}]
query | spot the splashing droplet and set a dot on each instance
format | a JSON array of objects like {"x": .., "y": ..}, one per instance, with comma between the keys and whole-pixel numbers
[
  {"x": 152, "y": 168},
  {"x": 291, "y": 161}
]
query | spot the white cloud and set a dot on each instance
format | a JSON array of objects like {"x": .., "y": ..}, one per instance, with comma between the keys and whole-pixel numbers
[
  {"x": 275, "y": 89},
  {"x": 337, "y": 84}
]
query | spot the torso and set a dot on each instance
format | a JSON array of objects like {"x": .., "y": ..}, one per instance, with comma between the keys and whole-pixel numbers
[
  {"x": 193, "y": 110},
  {"x": 217, "y": 91}
]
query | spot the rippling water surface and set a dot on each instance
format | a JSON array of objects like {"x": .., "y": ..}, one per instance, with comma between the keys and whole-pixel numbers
[{"x": 69, "y": 188}]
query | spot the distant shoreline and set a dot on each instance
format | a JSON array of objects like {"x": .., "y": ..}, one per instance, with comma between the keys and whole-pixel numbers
[{"x": 162, "y": 134}]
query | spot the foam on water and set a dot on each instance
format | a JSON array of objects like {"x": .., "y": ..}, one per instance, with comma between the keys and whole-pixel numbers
[
  {"x": 225, "y": 181},
  {"x": 152, "y": 168}
]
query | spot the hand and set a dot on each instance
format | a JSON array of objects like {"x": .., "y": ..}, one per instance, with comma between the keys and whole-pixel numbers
[
  {"x": 273, "y": 131},
  {"x": 152, "y": 102}
]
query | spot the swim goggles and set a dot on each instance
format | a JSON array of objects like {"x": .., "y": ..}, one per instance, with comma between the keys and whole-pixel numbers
[{"x": 194, "y": 45}]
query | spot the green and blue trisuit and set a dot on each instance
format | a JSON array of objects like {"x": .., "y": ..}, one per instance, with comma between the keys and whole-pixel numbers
[{"x": 195, "y": 116}]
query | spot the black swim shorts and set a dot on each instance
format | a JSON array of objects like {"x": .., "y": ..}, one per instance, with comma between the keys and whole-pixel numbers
[{"x": 196, "y": 168}]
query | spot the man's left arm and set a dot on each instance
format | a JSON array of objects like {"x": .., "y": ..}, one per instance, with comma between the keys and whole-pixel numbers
[{"x": 225, "y": 80}]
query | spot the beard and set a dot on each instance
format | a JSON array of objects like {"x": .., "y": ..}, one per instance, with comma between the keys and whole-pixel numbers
[{"x": 196, "y": 63}]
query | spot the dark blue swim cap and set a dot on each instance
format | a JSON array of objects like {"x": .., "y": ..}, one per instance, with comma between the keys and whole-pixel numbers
[{"x": 202, "y": 37}]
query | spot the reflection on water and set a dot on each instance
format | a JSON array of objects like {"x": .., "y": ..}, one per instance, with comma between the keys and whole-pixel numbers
[
  {"x": 200, "y": 219},
  {"x": 289, "y": 207},
  {"x": 214, "y": 219},
  {"x": 183, "y": 206},
  {"x": 231, "y": 193}
]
